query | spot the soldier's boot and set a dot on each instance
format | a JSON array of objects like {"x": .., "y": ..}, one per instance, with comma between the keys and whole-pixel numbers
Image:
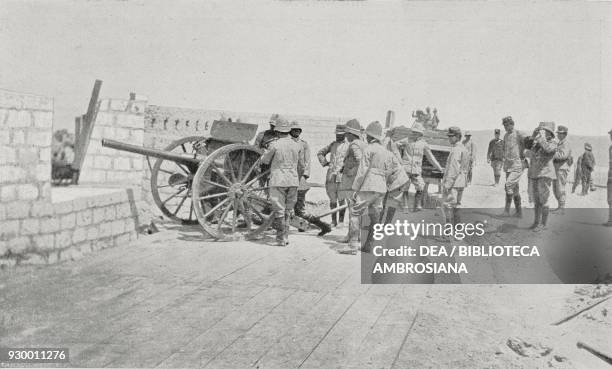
[
  {"x": 537, "y": 211},
  {"x": 609, "y": 222},
  {"x": 560, "y": 209},
  {"x": 353, "y": 236},
  {"x": 341, "y": 212},
  {"x": 317, "y": 222},
  {"x": 456, "y": 215},
  {"x": 279, "y": 226},
  {"x": 374, "y": 218},
  {"x": 286, "y": 228},
  {"x": 418, "y": 197},
  {"x": 542, "y": 226},
  {"x": 517, "y": 205},
  {"x": 390, "y": 215},
  {"x": 497, "y": 180},
  {"x": 333, "y": 205},
  {"x": 506, "y": 212}
]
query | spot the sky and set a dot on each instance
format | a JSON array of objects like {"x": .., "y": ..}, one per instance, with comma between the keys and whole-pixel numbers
[{"x": 474, "y": 61}]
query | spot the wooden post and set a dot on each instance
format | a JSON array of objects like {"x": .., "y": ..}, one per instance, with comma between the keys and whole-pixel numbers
[
  {"x": 87, "y": 123},
  {"x": 77, "y": 130},
  {"x": 390, "y": 119}
]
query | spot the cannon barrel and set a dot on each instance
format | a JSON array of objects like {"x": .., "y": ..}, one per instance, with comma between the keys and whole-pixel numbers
[{"x": 187, "y": 159}]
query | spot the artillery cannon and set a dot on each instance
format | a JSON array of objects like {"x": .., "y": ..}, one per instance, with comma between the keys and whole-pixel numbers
[{"x": 215, "y": 181}]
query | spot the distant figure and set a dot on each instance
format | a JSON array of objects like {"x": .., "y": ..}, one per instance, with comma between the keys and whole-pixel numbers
[
  {"x": 470, "y": 148},
  {"x": 609, "y": 184},
  {"x": 587, "y": 167},
  {"x": 495, "y": 156},
  {"x": 434, "y": 119}
]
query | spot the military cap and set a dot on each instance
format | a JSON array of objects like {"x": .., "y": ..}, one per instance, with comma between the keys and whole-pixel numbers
[
  {"x": 417, "y": 128},
  {"x": 454, "y": 131},
  {"x": 507, "y": 120},
  {"x": 339, "y": 129},
  {"x": 374, "y": 129},
  {"x": 587, "y": 146},
  {"x": 549, "y": 126},
  {"x": 467, "y": 133},
  {"x": 562, "y": 129},
  {"x": 282, "y": 125},
  {"x": 353, "y": 126},
  {"x": 274, "y": 119},
  {"x": 497, "y": 131},
  {"x": 295, "y": 125}
]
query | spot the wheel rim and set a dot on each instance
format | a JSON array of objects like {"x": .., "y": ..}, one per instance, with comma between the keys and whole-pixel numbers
[
  {"x": 171, "y": 183},
  {"x": 230, "y": 193}
]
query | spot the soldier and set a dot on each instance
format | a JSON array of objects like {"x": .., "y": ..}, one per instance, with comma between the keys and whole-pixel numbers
[
  {"x": 577, "y": 173},
  {"x": 337, "y": 151},
  {"x": 370, "y": 184},
  {"x": 514, "y": 164},
  {"x": 285, "y": 159},
  {"x": 542, "y": 171},
  {"x": 470, "y": 148},
  {"x": 264, "y": 138},
  {"x": 562, "y": 162},
  {"x": 587, "y": 167},
  {"x": 609, "y": 184},
  {"x": 300, "y": 205},
  {"x": 455, "y": 173},
  {"x": 352, "y": 160},
  {"x": 495, "y": 155},
  {"x": 435, "y": 120},
  {"x": 411, "y": 150}
]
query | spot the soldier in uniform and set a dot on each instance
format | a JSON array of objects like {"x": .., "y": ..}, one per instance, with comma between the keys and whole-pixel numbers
[
  {"x": 587, "y": 167},
  {"x": 352, "y": 160},
  {"x": 514, "y": 164},
  {"x": 470, "y": 148},
  {"x": 542, "y": 171},
  {"x": 336, "y": 150},
  {"x": 300, "y": 205},
  {"x": 609, "y": 184},
  {"x": 411, "y": 150},
  {"x": 284, "y": 156},
  {"x": 495, "y": 156},
  {"x": 264, "y": 138},
  {"x": 455, "y": 173},
  {"x": 562, "y": 163}
]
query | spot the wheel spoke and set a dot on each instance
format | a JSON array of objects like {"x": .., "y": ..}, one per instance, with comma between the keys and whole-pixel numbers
[
  {"x": 166, "y": 171},
  {"x": 257, "y": 177},
  {"x": 183, "y": 168},
  {"x": 235, "y": 217},
  {"x": 212, "y": 196},
  {"x": 223, "y": 216},
  {"x": 231, "y": 169},
  {"x": 173, "y": 196},
  {"x": 242, "y": 158},
  {"x": 215, "y": 208},
  {"x": 190, "y": 210},
  {"x": 223, "y": 177},
  {"x": 245, "y": 214},
  {"x": 184, "y": 149},
  {"x": 255, "y": 164},
  {"x": 179, "y": 205},
  {"x": 215, "y": 184}
]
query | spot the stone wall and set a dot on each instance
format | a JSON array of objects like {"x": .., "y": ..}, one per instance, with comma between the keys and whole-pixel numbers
[{"x": 121, "y": 120}]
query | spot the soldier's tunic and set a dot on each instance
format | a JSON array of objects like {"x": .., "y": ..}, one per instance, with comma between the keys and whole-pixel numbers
[
  {"x": 542, "y": 170},
  {"x": 284, "y": 156},
  {"x": 303, "y": 187},
  {"x": 562, "y": 168},
  {"x": 352, "y": 160},
  {"x": 411, "y": 153},
  {"x": 455, "y": 173},
  {"x": 264, "y": 138},
  {"x": 470, "y": 148},
  {"x": 337, "y": 152},
  {"x": 513, "y": 161},
  {"x": 495, "y": 153}
]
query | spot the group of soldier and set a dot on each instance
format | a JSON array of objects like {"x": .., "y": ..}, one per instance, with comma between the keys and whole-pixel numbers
[{"x": 547, "y": 156}]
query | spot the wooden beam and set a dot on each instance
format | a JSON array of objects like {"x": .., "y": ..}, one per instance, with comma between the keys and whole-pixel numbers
[{"x": 87, "y": 123}]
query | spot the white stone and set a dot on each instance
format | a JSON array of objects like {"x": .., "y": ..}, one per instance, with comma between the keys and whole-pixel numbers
[
  {"x": 8, "y": 154},
  {"x": 43, "y": 172},
  {"x": 122, "y": 164},
  {"x": 44, "y": 242},
  {"x": 102, "y": 162},
  {"x": 49, "y": 225},
  {"x": 18, "y": 136},
  {"x": 84, "y": 217},
  {"x": 19, "y": 118},
  {"x": 27, "y": 192},
  {"x": 8, "y": 193},
  {"x": 9, "y": 229},
  {"x": 30, "y": 226},
  {"x": 68, "y": 221},
  {"x": 43, "y": 119},
  {"x": 79, "y": 235},
  {"x": 123, "y": 134},
  {"x": 39, "y": 138},
  {"x": 19, "y": 245}
]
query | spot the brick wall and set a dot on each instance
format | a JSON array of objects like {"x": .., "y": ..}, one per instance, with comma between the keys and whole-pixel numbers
[{"x": 121, "y": 120}]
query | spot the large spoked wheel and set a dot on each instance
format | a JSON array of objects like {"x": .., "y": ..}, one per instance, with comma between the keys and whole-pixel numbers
[
  {"x": 230, "y": 193},
  {"x": 171, "y": 182}
]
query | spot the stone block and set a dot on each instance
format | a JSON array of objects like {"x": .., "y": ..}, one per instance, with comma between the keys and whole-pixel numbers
[
  {"x": 19, "y": 118},
  {"x": 19, "y": 245},
  {"x": 105, "y": 119},
  {"x": 137, "y": 136},
  {"x": 53, "y": 257},
  {"x": 84, "y": 217},
  {"x": 129, "y": 224},
  {"x": 123, "y": 134},
  {"x": 5, "y": 137},
  {"x": 9, "y": 229},
  {"x": 138, "y": 164},
  {"x": 68, "y": 221},
  {"x": 93, "y": 175},
  {"x": 63, "y": 207},
  {"x": 79, "y": 235},
  {"x": 33, "y": 259},
  {"x": 79, "y": 204},
  {"x": 11, "y": 173},
  {"x": 98, "y": 132},
  {"x": 117, "y": 227},
  {"x": 122, "y": 239},
  {"x": 63, "y": 239},
  {"x": 8, "y": 193},
  {"x": 2, "y": 211},
  {"x": 44, "y": 242},
  {"x": 8, "y": 153},
  {"x": 92, "y": 232},
  {"x": 103, "y": 243},
  {"x": 3, "y": 248},
  {"x": 118, "y": 104},
  {"x": 30, "y": 226},
  {"x": 17, "y": 210},
  {"x": 102, "y": 162},
  {"x": 99, "y": 215},
  {"x": 44, "y": 155},
  {"x": 71, "y": 253},
  {"x": 123, "y": 210},
  {"x": 105, "y": 229},
  {"x": 122, "y": 164},
  {"x": 110, "y": 213},
  {"x": 39, "y": 138},
  {"x": 27, "y": 192},
  {"x": 138, "y": 106},
  {"x": 43, "y": 172},
  {"x": 18, "y": 137},
  {"x": 41, "y": 209},
  {"x": 28, "y": 155},
  {"x": 43, "y": 119},
  {"x": 130, "y": 121},
  {"x": 49, "y": 225},
  {"x": 7, "y": 263},
  {"x": 45, "y": 190}
]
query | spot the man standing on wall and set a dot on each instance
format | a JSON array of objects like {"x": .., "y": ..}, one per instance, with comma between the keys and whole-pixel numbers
[
  {"x": 336, "y": 150},
  {"x": 562, "y": 162},
  {"x": 495, "y": 156},
  {"x": 514, "y": 164},
  {"x": 285, "y": 160},
  {"x": 542, "y": 172},
  {"x": 300, "y": 205},
  {"x": 352, "y": 161}
]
